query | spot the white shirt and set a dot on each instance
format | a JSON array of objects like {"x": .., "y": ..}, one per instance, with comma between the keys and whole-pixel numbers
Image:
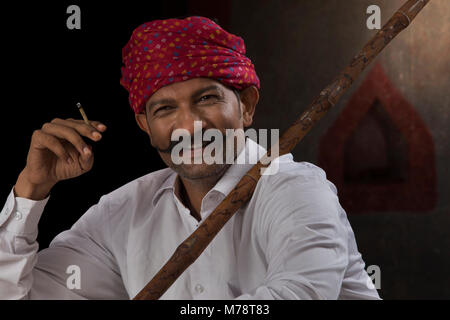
[{"x": 292, "y": 240}]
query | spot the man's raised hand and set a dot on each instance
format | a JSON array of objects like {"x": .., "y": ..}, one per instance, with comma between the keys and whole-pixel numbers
[{"x": 57, "y": 152}]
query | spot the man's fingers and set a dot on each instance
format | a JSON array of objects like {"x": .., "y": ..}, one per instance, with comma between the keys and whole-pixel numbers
[
  {"x": 81, "y": 127},
  {"x": 42, "y": 140},
  {"x": 96, "y": 124},
  {"x": 69, "y": 134}
]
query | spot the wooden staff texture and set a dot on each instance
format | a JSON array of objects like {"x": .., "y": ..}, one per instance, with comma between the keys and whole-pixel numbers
[{"x": 190, "y": 249}]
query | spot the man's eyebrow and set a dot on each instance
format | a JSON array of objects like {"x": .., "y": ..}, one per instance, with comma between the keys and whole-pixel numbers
[
  {"x": 194, "y": 95},
  {"x": 203, "y": 90}
]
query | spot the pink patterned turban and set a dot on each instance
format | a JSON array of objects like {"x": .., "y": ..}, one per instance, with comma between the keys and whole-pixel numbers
[{"x": 163, "y": 52}]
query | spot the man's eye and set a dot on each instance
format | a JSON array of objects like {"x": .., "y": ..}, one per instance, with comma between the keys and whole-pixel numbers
[
  {"x": 208, "y": 97},
  {"x": 162, "y": 109}
]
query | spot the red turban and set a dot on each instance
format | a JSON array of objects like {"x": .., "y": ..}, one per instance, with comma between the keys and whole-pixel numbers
[{"x": 162, "y": 52}]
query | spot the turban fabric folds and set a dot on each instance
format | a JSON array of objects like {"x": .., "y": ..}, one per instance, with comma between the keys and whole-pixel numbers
[{"x": 163, "y": 52}]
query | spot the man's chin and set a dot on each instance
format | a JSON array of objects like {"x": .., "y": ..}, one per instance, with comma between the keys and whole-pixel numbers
[{"x": 200, "y": 171}]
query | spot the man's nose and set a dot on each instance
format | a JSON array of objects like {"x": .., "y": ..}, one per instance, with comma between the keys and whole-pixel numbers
[{"x": 189, "y": 120}]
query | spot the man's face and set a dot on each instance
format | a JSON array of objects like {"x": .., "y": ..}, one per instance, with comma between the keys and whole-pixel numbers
[{"x": 177, "y": 106}]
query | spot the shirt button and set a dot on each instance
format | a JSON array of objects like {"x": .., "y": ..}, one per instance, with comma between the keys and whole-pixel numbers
[
  {"x": 18, "y": 216},
  {"x": 199, "y": 288}
]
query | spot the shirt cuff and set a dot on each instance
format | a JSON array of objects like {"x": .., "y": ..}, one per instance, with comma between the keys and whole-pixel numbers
[{"x": 21, "y": 215}]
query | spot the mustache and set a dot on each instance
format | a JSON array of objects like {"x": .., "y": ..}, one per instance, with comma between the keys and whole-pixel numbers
[{"x": 173, "y": 143}]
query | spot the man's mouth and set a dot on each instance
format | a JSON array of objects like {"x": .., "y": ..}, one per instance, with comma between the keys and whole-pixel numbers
[{"x": 197, "y": 149}]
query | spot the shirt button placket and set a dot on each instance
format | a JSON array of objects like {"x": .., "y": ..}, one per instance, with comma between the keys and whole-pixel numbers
[{"x": 199, "y": 288}]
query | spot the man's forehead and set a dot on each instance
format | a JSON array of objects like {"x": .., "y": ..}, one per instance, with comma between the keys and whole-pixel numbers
[{"x": 185, "y": 88}]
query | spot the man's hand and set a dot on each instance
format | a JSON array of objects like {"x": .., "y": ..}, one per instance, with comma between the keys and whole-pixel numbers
[{"x": 57, "y": 152}]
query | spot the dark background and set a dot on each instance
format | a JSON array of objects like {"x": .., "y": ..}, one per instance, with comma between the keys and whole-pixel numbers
[{"x": 297, "y": 48}]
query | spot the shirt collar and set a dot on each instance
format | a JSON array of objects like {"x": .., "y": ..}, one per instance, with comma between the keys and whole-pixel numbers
[
  {"x": 246, "y": 159},
  {"x": 169, "y": 183}
]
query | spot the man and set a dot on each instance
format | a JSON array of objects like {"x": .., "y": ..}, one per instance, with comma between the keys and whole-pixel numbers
[{"x": 292, "y": 240}]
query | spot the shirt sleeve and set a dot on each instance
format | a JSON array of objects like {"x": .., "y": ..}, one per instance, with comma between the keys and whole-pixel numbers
[
  {"x": 299, "y": 229},
  {"x": 77, "y": 265}
]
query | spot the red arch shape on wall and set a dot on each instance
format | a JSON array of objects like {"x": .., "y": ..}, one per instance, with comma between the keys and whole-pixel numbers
[{"x": 418, "y": 192}]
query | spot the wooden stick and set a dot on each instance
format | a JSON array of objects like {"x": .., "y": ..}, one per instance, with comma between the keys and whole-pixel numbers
[{"x": 188, "y": 251}]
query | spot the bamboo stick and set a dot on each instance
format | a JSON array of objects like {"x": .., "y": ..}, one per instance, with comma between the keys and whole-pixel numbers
[{"x": 190, "y": 249}]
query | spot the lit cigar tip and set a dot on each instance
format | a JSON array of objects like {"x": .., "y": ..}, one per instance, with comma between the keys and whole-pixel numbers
[{"x": 78, "y": 105}]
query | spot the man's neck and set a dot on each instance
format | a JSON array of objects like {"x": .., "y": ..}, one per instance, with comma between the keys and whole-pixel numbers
[{"x": 192, "y": 192}]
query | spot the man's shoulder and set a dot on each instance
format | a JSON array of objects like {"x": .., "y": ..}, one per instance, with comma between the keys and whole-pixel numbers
[
  {"x": 145, "y": 185},
  {"x": 297, "y": 192},
  {"x": 286, "y": 170},
  {"x": 296, "y": 183}
]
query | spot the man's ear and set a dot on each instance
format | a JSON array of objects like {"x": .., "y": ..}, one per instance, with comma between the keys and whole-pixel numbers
[
  {"x": 249, "y": 100},
  {"x": 141, "y": 119}
]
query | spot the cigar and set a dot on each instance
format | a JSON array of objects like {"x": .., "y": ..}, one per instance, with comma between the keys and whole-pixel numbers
[{"x": 83, "y": 114}]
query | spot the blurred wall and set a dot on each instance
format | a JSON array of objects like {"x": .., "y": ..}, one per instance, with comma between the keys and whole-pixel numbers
[{"x": 297, "y": 48}]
